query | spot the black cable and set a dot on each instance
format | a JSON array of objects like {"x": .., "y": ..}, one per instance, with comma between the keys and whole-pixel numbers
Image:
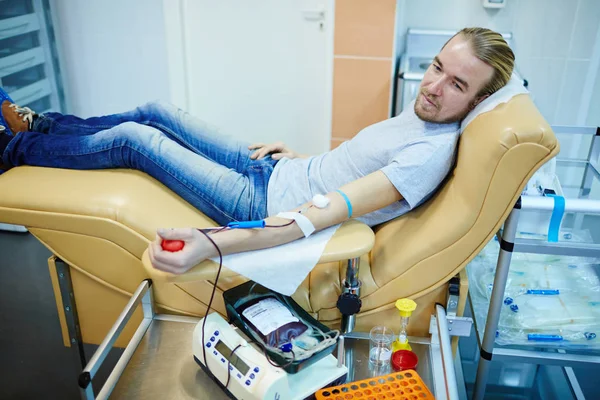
[
  {"x": 229, "y": 364},
  {"x": 223, "y": 228},
  {"x": 212, "y": 295},
  {"x": 212, "y": 230},
  {"x": 280, "y": 226}
]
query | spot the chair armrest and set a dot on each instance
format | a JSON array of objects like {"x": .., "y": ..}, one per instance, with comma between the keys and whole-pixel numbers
[{"x": 353, "y": 239}]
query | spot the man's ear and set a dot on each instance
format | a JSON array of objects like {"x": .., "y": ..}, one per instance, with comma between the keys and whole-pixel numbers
[{"x": 479, "y": 100}]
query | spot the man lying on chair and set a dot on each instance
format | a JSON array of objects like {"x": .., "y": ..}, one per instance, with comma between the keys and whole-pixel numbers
[{"x": 386, "y": 170}]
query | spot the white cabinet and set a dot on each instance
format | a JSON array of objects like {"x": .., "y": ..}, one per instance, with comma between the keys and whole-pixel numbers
[{"x": 27, "y": 69}]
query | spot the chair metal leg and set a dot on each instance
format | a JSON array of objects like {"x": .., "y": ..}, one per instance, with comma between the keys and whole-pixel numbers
[
  {"x": 502, "y": 267},
  {"x": 349, "y": 301},
  {"x": 142, "y": 296},
  {"x": 68, "y": 299}
]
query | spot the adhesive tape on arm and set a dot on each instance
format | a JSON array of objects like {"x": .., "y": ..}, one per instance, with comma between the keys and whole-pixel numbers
[
  {"x": 320, "y": 201},
  {"x": 304, "y": 223}
]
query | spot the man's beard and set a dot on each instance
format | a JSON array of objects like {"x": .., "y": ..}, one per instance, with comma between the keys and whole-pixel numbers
[{"x": 452, "y": 119}]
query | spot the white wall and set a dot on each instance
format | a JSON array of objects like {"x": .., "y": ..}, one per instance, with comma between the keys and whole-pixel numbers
[
  {"x": 113, "y": 54},
  {"x": 593, "y": 118},
  {"x": 553, "y": 44},
  {"x": 259, "y": 71}
]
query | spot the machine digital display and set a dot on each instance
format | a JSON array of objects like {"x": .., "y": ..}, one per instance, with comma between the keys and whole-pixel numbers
[{"x": 234, "y": 360}]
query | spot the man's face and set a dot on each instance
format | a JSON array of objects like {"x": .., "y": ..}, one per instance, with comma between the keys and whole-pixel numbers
[{"x": 450, "y": 85}]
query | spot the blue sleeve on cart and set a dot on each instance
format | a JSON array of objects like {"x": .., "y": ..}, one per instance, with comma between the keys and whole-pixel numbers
[{"x": 557, "y": 215}]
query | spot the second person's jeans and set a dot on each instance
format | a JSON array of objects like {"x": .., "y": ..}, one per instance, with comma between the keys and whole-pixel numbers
[{"x": 212, "y": 172}]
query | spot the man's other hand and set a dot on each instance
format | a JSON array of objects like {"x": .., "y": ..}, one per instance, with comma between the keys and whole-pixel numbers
[{"x": 277, "y": 150}]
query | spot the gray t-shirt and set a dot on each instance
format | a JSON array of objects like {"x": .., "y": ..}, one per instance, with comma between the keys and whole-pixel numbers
[{"x": 414, "y": 155}]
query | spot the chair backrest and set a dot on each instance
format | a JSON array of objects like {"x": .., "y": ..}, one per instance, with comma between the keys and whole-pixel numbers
[{"x": 498, "y": 152}]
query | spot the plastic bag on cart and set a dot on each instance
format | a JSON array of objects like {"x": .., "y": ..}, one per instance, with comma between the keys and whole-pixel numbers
[
  {"x": 568, "y": 338},
  {"x": 289, "y": 336},
  {"x": 548, "y": 298}
]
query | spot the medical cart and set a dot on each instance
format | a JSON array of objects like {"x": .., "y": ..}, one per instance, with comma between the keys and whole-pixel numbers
[
  {"x": 158, "y": 364},
  {"x": 580, "y": 180}
]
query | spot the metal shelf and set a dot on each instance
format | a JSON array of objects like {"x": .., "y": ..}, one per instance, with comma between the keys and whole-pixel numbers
[
  {"x": 564, "y": 249},
  {"x": 20, "y": 61},
  {"x": 32, "y": 92},
  {"x": 584, "y": 202},
  {"x": 21, "y": 58},
  {"x": 20, "y": 25},
  {"x": 27, "y": 45},
  {"x": 546, "y": 354}
]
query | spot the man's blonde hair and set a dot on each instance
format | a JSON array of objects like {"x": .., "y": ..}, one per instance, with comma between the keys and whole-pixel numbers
[{"x": 491, "y": 48}]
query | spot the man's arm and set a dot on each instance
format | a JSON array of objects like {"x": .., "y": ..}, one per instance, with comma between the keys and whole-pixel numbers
[{"x": 366, "y": 194}]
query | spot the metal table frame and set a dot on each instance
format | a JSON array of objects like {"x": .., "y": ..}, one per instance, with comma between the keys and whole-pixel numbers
[
  {"x": 439, "y": 346},
  {"x": 143, "y": 295},
  {"x": 508, "y": 245}
]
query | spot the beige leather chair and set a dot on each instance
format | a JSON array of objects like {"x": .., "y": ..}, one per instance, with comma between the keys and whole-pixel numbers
[{"x": 100, "y": 223}]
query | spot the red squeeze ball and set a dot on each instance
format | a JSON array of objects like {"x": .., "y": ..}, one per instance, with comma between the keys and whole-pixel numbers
[{"x": 172, "y": 245}]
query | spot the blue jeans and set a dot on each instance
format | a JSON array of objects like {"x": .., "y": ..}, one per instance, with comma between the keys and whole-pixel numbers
[{"x": 212, "y": 172}]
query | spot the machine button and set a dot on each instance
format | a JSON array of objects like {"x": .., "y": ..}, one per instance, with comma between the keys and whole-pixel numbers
[
  {"x": 239, "y": 375},
  {"x": 212, "y": 339},
  {"x": 230, "y": 368},
  {"x": 216, "y": 333},
  {"x": 222, "y": 360},
  {"x": 208, "y": 344},
  {"x": 251, "y": 376},
  {"x": 248, "y": 382},
  {"x": 256, "y": 369},
  {"x": 215, "y": 353}
]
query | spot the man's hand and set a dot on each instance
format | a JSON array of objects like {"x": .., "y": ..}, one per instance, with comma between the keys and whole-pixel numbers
[
  {"x": 277, "y": 150},
  {"x": 195, "y": 250}
]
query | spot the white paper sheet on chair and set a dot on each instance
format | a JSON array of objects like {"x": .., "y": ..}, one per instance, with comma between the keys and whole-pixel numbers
[{"x": 281, "y": 268}]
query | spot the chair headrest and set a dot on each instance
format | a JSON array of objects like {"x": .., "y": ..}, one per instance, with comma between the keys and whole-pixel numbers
[{"x": 511, "y": 89}]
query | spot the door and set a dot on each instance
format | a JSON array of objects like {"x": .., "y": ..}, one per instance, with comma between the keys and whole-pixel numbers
[{"x": 261, "y": 70}]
